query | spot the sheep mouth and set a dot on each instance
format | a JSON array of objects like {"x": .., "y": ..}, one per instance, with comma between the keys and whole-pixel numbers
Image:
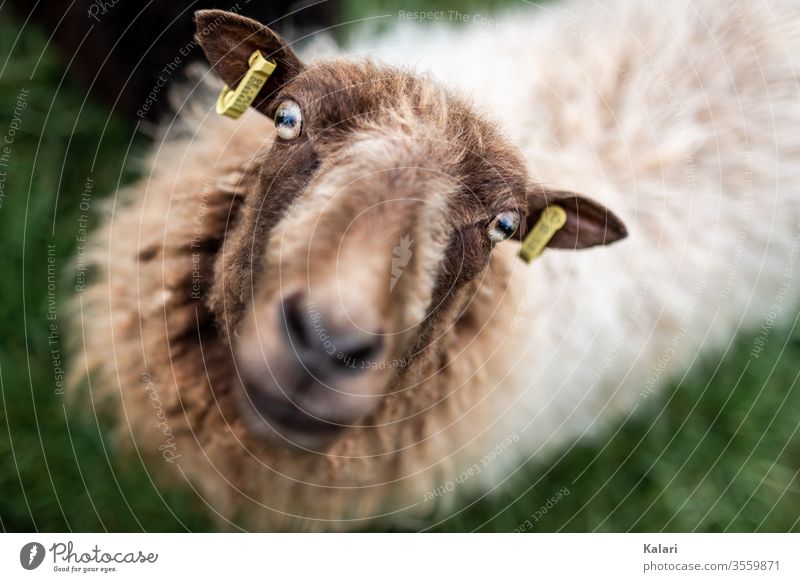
[{"x": 283, "y": 421}]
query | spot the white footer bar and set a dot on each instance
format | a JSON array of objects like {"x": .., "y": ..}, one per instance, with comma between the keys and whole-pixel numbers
[{"x": 401, "y": 557}]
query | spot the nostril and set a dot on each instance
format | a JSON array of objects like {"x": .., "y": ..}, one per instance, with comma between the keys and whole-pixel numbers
[
  {"x": 296, "y": 322},
  {"x": 356, "y": 349}
]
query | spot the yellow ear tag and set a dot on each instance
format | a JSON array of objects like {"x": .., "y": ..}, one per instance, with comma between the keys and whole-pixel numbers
[
  {"x": 234, "y": 102},
  {"x": 549, "y": 223}
]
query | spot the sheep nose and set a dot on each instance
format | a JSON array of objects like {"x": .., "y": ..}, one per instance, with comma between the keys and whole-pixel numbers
[
  {"x": 312, "y": 370},
  {"x": 326, "y": 343}
]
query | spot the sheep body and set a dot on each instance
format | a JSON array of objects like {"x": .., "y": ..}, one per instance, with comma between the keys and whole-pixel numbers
[{"x": 679, "y": 117}]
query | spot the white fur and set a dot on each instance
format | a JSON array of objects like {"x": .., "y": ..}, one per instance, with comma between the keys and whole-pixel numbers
[{"x": 682, "y": 117}]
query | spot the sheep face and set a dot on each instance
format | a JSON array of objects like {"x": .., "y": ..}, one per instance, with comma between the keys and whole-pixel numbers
[{"x": 369, "y": 225}]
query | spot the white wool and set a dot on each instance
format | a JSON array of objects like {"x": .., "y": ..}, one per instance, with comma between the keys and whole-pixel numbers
[{"x": 682, "y": 117}]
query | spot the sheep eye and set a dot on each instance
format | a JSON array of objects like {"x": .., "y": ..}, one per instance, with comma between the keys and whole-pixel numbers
[
  {"x": 288, "y": 120},
  {"x": 503, "y": 226}
]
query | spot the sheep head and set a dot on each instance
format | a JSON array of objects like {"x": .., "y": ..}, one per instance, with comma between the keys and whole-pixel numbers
[{"x": 373, "y": 214}]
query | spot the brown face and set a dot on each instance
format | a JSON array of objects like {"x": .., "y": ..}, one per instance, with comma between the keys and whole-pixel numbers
[{"x": 377, "y": 207}]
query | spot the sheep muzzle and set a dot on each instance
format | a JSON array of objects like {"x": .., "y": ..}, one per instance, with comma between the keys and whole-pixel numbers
[{"x": 324, "y": 337}]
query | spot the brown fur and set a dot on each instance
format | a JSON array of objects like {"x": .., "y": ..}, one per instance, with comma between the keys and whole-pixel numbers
[{"x": 222, "y": 227}]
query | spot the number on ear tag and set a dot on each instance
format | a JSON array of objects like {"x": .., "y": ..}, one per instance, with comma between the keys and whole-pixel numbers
[
  {"x": 549, "y": 223},
  {"x": 234, "y": 102}
]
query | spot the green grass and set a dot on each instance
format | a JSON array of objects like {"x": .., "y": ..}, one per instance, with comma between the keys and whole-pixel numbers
[
  {"x": 719, "y": 452},
  {"x": 55, "y": 473}
]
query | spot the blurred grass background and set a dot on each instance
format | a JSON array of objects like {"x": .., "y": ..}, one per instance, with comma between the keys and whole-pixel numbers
[{"x": 719, "y": 452}]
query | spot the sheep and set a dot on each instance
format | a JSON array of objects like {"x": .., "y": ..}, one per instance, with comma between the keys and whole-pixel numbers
[{"x": 316, "y": 314}]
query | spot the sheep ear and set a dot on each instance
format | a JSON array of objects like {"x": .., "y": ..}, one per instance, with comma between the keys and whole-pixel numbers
[
  {"x": 228, "y": 40},
  {"x": 588, "y": 223}
]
